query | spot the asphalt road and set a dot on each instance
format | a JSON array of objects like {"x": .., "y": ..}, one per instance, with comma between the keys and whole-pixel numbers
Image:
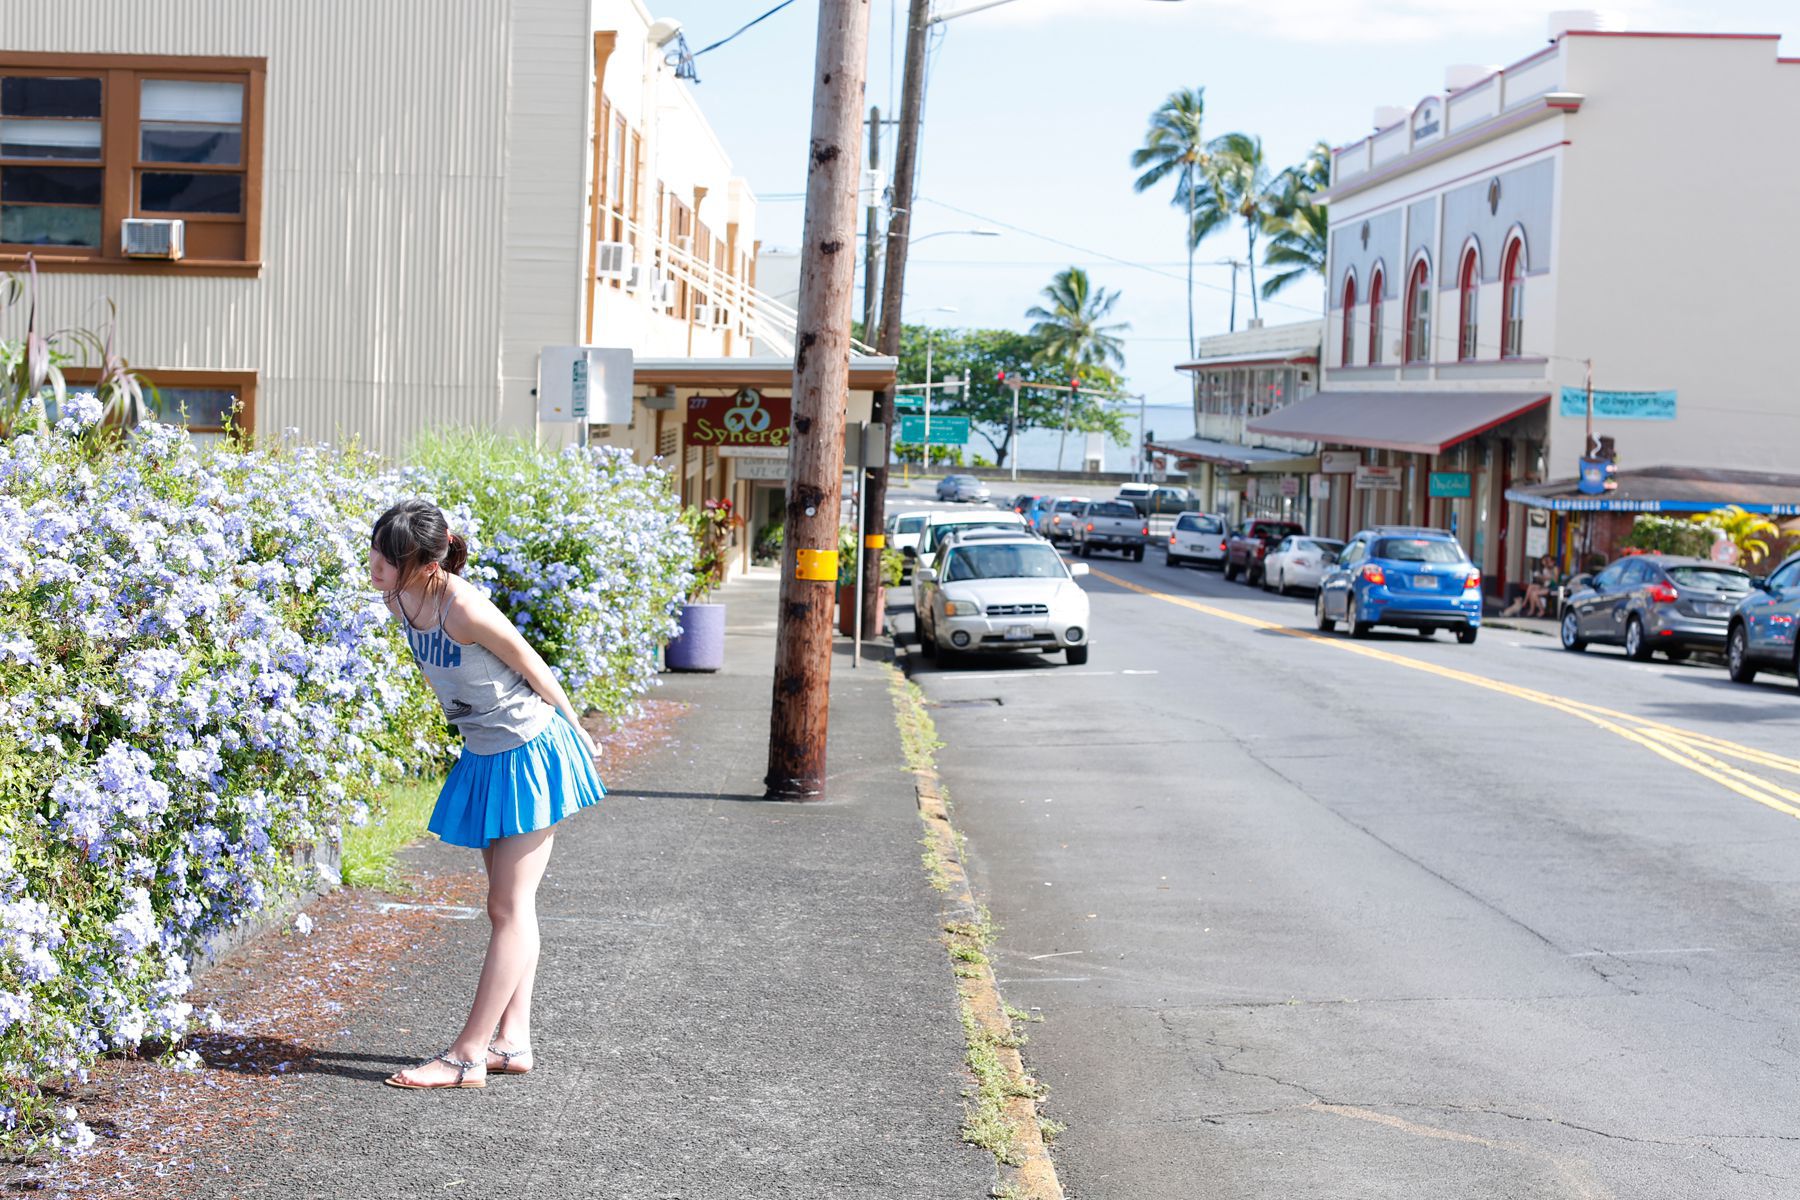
[{"x": 1392, "y": 918}]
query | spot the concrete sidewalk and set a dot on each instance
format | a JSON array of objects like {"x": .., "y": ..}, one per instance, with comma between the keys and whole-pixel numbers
[{"x": 736, "y": 998}]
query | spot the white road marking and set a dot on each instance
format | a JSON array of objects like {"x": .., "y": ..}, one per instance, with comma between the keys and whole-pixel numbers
[
  {"x": 1058, "y": 954},
  {"x": 1029, "y": 674},
  {"x": 1642, "y": 953},
  {"x": 1051, "y": 979}
]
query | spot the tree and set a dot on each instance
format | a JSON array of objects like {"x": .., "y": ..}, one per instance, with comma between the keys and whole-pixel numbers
[
  {"x": 1072, "y": 330},
  {"x": 1297, "y": 224},
  {"x": 1747, "y": 531},
  {"x": 1174, "y": 146},
  {"x": 1238, "y": 177}
]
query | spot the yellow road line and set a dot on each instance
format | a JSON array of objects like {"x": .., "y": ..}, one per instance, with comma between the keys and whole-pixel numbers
[{"x": 1682, "y": 747}]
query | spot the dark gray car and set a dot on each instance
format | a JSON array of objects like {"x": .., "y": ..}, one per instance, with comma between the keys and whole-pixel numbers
[{"x": 1653, "y": 602}]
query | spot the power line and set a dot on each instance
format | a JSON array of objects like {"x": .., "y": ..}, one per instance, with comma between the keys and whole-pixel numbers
[{"x": 729, "y": 36}]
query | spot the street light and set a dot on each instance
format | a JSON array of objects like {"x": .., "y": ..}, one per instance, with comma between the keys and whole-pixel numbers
[
  {"x": 985, "y": 4},
  {"x": 926, "y": 237}
]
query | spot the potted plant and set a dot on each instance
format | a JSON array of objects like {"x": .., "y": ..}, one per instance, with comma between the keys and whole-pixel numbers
[
  {"x": 892, "y": 568},
  {"x": 700, "y": 646}
]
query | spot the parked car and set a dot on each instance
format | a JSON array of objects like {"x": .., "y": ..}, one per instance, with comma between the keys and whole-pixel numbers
[
  {"x": 1160, "y": 500},
  {"x": 1111, "y": 525},
  {"x": 1299, "y": 562},
  {"x": 903, "y": 530},
  {"x": 1760, "y": 635},
  {"x": 962, "y": 489},
  {"x": 1652, "y": 602},
  {"x": 1059, "y": 522},
  {"x": 1246, "y": 549},
  {"x": 1131, "y": 493},
  {"x": 938, "y": 525},
  {"x": 1402, "y": 576},
  {"x": 1196, "y": 538},
  {"x": 1030, "y": 507},
  {"x": 1002, "y": 592}
]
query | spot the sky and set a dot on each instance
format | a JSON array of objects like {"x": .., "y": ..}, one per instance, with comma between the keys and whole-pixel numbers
[{"x": 1033, "y": 109}]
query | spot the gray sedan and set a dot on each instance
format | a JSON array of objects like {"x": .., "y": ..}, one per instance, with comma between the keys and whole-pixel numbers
[{"x": 1655, "y": 602}]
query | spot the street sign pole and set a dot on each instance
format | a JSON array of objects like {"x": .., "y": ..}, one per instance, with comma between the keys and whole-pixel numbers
[
  {"x": 927, "y": 468},
  {"x": 1014, "y": 447}
]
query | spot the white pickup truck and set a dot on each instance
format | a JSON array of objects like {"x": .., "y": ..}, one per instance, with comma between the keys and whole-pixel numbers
[{"x": 1111, "y": 525}]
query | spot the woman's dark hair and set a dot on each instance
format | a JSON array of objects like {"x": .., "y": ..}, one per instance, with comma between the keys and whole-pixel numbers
[{"x": 413, "y": 535}]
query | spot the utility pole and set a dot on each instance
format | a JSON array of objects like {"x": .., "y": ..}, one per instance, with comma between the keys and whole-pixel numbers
[
  {"x": 871, "y": 288},
  {"x": 801, "y": 711},
  {"x": 893, "y": 276}
]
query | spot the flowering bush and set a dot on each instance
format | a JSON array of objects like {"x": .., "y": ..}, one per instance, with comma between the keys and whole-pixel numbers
[
  {"x": 588, "y": 553},
  {"x": 196, "y": 680}
]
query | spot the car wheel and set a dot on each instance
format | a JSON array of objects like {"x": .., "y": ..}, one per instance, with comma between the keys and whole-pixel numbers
[
  {"x": 1358, "y": 629},
  {"x": 1077, "y": 655},
  {"x": 1466, "y": 635},
  {"x": 1281, "y": 583},
  {"x": 1737, "y": 655},
  {"x": 1636, "y": 648},
  {"x": 1571, "y": 632},
  {"x": 1325, "y": 623},
  {"x": 1231, "y": 570},
  {"x": 1253, "y": 576},
  {"x": 1137, "y": 554}
]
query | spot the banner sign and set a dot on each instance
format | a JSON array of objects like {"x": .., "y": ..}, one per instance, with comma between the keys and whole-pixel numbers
[
  {"x": 1620, "y": 406},
  {"x": 746, "y": 418},
  {"x": 1449, "y": 485},
  {"x": 1340, "y": 462},
  {"x": 1378, "y": 479}
]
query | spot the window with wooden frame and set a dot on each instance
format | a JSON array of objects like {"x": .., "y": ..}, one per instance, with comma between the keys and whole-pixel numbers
[
  {"x": 1512, "y": 300},
  {"x": 1468, "y": 286},
  {"x": 203, "y": 401},
  {"x": 1418, "y": 312},
  {"x": 1347, "y": 352},
  {"x": 87, "y": 141},
  {"x": 1377, "y": 281}
]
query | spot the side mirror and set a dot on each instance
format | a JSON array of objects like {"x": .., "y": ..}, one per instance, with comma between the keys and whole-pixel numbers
[
  {"x": 910, "y": 551},
  {"x": 1330, "y": 558},
  {"x": 1077, "y": 570},
  {"x": 1761, "y": 584},
  {"x": 925, "y": 575}
]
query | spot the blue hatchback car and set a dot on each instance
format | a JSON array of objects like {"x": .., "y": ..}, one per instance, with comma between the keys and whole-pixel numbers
[
  {"x": 1761, "y": 635},
  {"x": 1402, "y": 576}
]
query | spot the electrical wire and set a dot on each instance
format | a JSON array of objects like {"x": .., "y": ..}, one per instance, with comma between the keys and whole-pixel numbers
[{"x": 729, "y": 36}]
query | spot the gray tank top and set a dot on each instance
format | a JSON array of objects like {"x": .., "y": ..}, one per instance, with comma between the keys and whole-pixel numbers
[{"x": 489, "y": 703}]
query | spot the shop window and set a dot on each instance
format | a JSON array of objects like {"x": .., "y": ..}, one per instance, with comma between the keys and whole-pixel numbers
[
  {"x": 89, "y": 140},
  {"x": 1468, "y": 288},
  {"x": 1377, "y": 281},
  {"x": 1512, "y": 300},
  {"x": 1347, "y": 355},
  {"x": 204, "y": 401},
  {"x": 1418, "y": 312}
]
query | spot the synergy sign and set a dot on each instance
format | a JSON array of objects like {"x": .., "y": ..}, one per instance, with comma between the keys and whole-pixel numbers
[{"x": 746, "y": 418}]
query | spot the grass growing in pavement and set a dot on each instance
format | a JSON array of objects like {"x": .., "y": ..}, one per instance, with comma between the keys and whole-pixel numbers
[{"x": 370, "y": 850}]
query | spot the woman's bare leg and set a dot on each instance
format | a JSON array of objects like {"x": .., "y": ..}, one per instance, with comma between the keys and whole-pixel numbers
[{"x": 515, "y": 868}]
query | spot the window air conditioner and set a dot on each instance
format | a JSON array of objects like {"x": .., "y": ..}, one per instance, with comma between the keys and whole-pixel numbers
[
  {"x": 153, "y": 239},
  {"x": 611, "y": 259},
  {"x": 685, "y": 244},
  {"x": 715, "y": 316},
  {"x": 634, "y": 277},
  {"x": 662, "y": 293}
]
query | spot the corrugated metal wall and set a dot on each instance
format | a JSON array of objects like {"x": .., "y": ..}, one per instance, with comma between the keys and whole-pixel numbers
[{"x": 423, "y": 189}]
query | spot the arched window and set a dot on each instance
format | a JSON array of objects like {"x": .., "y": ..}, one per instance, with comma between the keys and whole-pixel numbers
[
  {"x": 1418, "y": 312},
  {"x": 1468, "y": 286},
  {"x": 1512, "y": 300},
  {"x": 1377, "y": 282},
  {"x": 1347, "y": 356}
]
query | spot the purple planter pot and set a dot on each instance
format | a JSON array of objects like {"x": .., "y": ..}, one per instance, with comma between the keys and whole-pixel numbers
[{"x": 700, "y": 646}]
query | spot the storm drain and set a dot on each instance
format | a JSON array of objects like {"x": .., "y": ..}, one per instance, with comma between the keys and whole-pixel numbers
[{"x": 977, "y": 702}]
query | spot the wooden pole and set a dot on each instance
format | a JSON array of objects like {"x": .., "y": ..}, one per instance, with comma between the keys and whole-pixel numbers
[
  {"x": 800, "y": 715},
  {"x": 893, "y": 280}
]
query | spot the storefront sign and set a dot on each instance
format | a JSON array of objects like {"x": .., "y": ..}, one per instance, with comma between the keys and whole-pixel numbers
[
  {"x": 1537, "y": 533},
  {"x": 1321, "y": 487},
  {"x": 774, "y": 470},
  {"x": 1449, "y": 485},
  {"x": 1290, "y": 485},
  {"x": 1427, "y": 121},
  {"x": 1378, "y": 479},
  {"x": 753, "y": 451},
  {"x": 747, "y": 418},
  {"x": 1340, "y": 462},
  {"x": 1620, "y": 406}
]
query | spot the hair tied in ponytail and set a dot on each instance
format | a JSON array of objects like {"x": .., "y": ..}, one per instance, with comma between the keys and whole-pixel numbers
[{"x": 456, "y": 554}]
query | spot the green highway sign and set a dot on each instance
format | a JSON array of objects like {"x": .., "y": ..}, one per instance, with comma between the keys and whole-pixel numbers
[
  {"x": 945, "y": 431},
  {"x": 909, "y": 404}
]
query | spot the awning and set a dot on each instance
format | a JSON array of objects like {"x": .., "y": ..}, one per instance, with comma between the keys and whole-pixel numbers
[
  {"x": 1271, "y": 358},
  {"x": 1419, "y": 422},
  {"x": 867, "y": 372},
  {"x": 1671, "y": 490},
  {"x": 1230, "y": 454}
]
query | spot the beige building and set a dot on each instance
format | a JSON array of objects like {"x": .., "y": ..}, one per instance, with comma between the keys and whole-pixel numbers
[{"x": 365, "y": 220}]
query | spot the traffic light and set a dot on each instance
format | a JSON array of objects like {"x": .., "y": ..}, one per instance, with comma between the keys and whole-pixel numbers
[
  {"x": 1075, "y": 388},
  {"x": 1149, "y": 436}
]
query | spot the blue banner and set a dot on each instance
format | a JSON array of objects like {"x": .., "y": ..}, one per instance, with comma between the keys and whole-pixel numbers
[{"x": 1620, "y": 406}]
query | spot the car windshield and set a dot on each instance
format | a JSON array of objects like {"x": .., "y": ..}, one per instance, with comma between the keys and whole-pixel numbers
[
  {"x": 1276, "y": 532},
  {"x": 911, "y": 524},
  {"x": 1017, "y": 561},
  {"x": 1112, "y": 510},
  {"x": 938, "y": 533},
  {"x": 1720, "y": 579},
  {"x": 1069, "y": 505},
  {"x": 1419, "y": 550}
]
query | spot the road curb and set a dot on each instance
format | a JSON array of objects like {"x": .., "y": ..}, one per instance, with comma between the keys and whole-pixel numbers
[{"x": 1033, "y": 1173}]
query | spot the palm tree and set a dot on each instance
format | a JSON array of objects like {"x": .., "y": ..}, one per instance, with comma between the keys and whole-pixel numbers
[
  {"x": 1297, "y": 225},
  {"x": 1174, "y": 146},
  {"x": 1747, "y": 531},
  {"x": 1238, "y": 176},
  {"x": 1073, "y": 331}
]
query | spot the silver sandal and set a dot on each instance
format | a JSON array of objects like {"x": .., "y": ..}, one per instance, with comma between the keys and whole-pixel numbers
[
  {"x": 462, "y": 1074},
  {"x": 506, "y": 1057}
]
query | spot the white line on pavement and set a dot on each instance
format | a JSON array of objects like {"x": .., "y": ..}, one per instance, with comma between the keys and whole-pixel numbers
[
  {"x": 1058, "y": 954},
  {"x": 1641, "y": 953},
  {"x": 1031, "y": 674},
  {"x": 1052, "y": 979}
]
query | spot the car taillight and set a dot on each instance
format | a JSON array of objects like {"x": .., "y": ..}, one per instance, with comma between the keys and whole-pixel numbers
[
  {"x": 1221, "y": 546},
  {"x": 1374, "y": 574},
  {"x": 1090, "y": 527},
  {"x": 1171, "y": 538},
  {"x": 1473, "y": 582},
  {"x": 1147, "y": 533},
  {"x": 1663, "y": 593},
  {"x": 1301, "y": 562}
]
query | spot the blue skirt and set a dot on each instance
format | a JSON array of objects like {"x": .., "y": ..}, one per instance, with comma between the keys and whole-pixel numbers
[{"x": 531, "y": 787}]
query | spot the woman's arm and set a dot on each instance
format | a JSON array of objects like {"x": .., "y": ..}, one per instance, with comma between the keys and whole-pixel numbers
[{"x": 476, "y": 619}]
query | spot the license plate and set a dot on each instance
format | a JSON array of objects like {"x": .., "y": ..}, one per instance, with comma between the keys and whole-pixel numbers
[
  {"x": 1018, "y": 633},
  {"x": 1715, "y": 610},
  {"x": 1426, "y": 582}
]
